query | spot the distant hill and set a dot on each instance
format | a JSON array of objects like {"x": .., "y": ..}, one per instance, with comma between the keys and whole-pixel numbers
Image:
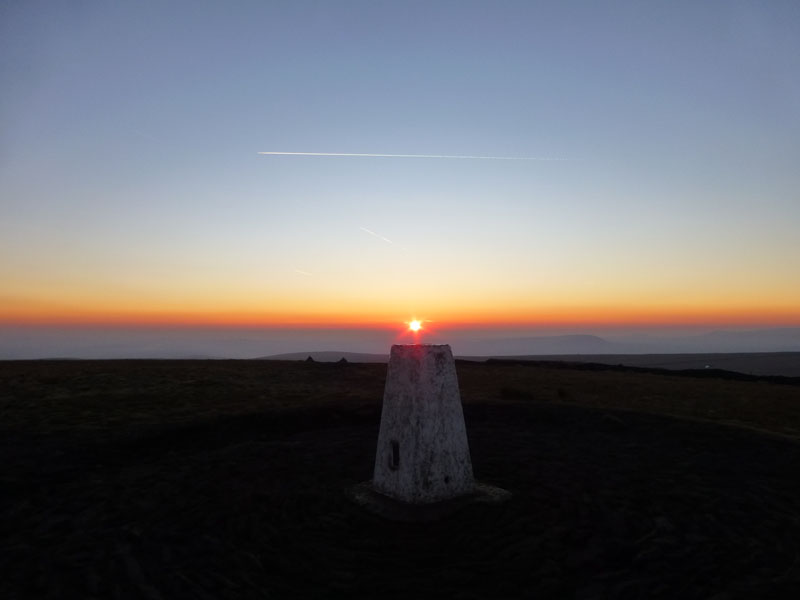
[
  {"x": 559, "y": 344},
  {"x": 554, "y": 344},
  {"x": 329, "y": 356},
  {"x": 782, "y": 364},
  {"x": 785, "y": 364}
]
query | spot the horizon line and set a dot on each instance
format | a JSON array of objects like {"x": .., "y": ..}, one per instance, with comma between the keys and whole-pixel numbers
[{"x": 378, "y": 324}]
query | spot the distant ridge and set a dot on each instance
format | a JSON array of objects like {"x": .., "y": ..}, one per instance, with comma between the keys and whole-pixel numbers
[
  {"x": 784, "y": 364},
  {"x": 552, "y": 344},
  {"x": 329, "y": 356}
]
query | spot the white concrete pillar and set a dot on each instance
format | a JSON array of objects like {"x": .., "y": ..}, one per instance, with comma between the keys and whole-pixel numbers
[{"x": 423, "y": 454}]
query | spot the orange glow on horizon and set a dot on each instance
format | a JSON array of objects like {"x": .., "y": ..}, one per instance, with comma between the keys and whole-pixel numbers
[{"x": 543, "y": 316}]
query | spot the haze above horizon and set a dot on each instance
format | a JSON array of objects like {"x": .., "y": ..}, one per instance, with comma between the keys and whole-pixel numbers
[{"x": 626, "y": 165}]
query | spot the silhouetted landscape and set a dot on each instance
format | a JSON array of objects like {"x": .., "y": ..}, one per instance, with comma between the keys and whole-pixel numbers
[
  {"x": 777, "y": 364},
  {"x": 228, "y": 479}
]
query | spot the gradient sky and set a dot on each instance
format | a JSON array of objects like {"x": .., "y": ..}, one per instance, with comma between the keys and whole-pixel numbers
[{"x": 132, "y": 191}]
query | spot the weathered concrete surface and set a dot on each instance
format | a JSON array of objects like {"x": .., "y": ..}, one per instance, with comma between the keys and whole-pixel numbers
[{"x": 423, "y": 454}]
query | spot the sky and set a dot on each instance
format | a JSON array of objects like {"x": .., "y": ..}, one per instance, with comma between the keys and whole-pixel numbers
[{"x": 659, "y": 189}]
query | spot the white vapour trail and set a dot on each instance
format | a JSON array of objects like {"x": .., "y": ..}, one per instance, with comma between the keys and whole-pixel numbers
[
  {"x": 380, "y": 237},
  {"x": 409, "y": 156},
  {"x": 385, "y": 239}
]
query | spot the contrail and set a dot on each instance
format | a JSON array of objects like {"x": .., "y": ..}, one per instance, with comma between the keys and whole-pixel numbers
[
  {"x": 458, "y": 156},
  {"x": 306, "y": 273},
  {"x": 380, "y": 237}
]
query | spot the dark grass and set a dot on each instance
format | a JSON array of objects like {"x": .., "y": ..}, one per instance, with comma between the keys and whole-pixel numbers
[{"x": 227, "y": 479}]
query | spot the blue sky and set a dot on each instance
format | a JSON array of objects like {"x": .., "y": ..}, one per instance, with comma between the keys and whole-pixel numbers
[{"x": 132, "y": 189}]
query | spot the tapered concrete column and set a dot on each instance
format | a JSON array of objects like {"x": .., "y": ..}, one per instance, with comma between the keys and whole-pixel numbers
[{"x": 423, "y": 454}]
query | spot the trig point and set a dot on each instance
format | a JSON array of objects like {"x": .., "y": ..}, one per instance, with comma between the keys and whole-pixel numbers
[
  {"x": 423, "y": 454},
  {"x": 422, "y": 463}
]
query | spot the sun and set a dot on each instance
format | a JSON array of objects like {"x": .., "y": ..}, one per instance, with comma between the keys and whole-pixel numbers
[{"x": 415, "y": 325}]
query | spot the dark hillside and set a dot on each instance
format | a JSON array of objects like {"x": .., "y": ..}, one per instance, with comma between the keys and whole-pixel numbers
[{"x": 226, "y": 479}]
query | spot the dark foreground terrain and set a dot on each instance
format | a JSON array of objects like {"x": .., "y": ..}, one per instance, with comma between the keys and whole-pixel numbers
[{"x": 227, "y": 479}]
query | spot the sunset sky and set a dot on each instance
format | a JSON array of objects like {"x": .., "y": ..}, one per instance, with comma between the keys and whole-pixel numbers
[{"x": 665, "y": 185}]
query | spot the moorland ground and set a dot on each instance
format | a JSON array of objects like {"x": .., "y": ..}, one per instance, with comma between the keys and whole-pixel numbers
[{"x": 227, "y": 479}]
